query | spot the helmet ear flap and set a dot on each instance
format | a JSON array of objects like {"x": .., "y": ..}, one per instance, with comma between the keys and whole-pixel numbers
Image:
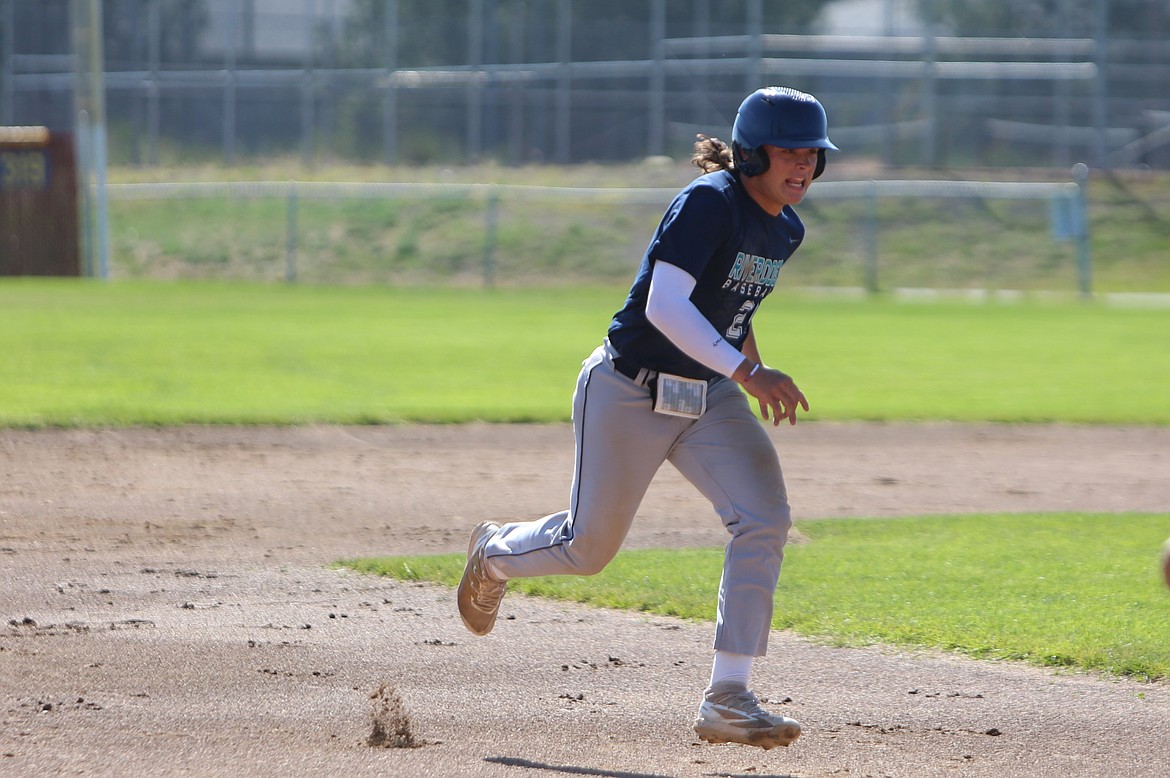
[{"x": 749, "y": 162}]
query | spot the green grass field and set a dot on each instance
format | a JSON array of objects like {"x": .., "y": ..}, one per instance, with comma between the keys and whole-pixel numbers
[
  {"x": 78, "y": 353},
  {"x": 1069, "y": 590},
  {"x": 1061, "y": 590}
]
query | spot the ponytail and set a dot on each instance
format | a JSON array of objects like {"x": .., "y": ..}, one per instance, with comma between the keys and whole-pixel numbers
[{"x": 711, "y": 154}]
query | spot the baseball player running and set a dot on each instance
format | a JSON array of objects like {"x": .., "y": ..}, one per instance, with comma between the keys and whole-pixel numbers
[{"x": 665, "y": 385}]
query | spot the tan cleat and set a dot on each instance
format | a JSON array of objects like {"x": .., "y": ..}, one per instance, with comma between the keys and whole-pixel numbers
[
  {"x": 736, "y": 717},
  {"x": 479, "y": 594}
]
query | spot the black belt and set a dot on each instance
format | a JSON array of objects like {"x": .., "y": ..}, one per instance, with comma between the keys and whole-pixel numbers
[{"x": 640, "y": 375}]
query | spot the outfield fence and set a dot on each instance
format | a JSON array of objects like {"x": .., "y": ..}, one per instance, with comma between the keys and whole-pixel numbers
[{"x": 871, "y": 236}]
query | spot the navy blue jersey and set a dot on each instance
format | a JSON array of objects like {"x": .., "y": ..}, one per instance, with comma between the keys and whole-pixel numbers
[{"x": 734, "y": 249}]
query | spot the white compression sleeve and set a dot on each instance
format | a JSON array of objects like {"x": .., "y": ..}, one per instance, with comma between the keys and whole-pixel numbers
[{"x": 669, "y": 308}]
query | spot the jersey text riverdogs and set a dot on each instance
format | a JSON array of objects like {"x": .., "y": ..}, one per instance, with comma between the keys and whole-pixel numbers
[{"x": 752, "y": 275}]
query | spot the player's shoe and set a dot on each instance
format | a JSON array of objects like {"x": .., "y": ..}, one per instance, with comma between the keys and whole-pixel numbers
[
  {"x": 736, "y": 717},
  {"x": 479, "y": 594}
]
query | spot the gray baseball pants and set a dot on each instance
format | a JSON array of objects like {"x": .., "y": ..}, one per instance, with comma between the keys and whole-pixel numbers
[{"x": 621, "y": 443}]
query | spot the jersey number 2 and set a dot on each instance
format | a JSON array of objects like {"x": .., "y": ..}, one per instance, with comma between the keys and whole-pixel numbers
[{"x": 735, "y": 331}]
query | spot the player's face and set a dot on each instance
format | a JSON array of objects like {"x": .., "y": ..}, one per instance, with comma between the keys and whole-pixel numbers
[{"x": 788, "y": 177}]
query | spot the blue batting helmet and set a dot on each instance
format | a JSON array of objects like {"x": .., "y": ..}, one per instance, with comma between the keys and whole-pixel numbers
[{"x": 778, "y": 116}]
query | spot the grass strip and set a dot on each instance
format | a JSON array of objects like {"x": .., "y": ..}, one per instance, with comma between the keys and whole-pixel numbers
[
  {"x": 77, "y": 353},
  {"x": 1069, "y": 590}
]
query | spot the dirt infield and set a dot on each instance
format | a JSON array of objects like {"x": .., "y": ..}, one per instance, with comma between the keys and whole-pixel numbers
[{"x": 167, "y": 609}]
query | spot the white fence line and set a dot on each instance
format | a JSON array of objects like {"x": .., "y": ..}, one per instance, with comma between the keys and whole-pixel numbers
[{"x": 328, "y": 190}]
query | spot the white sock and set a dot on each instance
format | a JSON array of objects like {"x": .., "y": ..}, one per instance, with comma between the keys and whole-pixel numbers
[
  {"x": 493, "y": 571},
  {"x": 731, "y": 668}
]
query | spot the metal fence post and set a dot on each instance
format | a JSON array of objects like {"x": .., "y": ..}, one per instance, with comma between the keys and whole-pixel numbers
[
  {"x": 490, "y": 231},
  {"x": 153, "y": 90},
  {"x": 700, "y": 29},
  {"x": 90, "y": 103},
  {"x": 84, "y": 140},
  {"x": 290, "y": 239},
  {"x": 1101, "y": 82},
  {"x": 473, "y": 130},
  {"x": 754, "y": 13},
  {"x": 7, "y": 72},
  {"x": 390, "y": 92},
  {"x": 656, "y": 124},
  {"x": 1080, "y": 174},
  {"x": 308, "y": 79},
  {"x": 930, "y": 96},
  {"x": 229, "y": 95},
  {"x": 871, "y": 239},
  {"x": 564, "y": 42}
]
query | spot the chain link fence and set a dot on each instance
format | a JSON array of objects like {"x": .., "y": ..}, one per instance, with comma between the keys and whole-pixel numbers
[
  {"x": 231, "y": 81},
  {"x": 867, "y": 236}
]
